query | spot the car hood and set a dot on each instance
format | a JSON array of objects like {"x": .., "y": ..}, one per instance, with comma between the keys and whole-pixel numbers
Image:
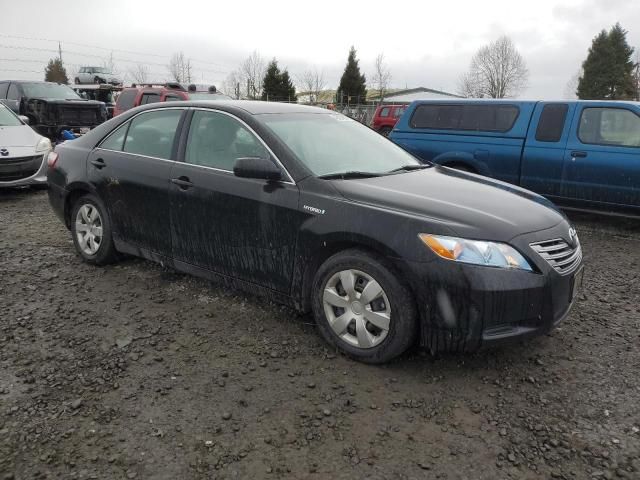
[
  {"x": 471, "y": 205},
  {"x": 20, "y": 136}
]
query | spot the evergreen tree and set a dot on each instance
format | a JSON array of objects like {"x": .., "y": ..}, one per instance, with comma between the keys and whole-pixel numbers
[
  {"x": 277, "y": 86},
  {"x": 271, "y": 82},
  {"x": 288, "y": 89},
  {"x": 608, "y": 69},
  {"x": 353, "y": 84},
  {"x": 55, "y": 72}
]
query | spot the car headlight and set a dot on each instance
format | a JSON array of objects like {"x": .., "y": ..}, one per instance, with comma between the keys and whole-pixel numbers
[
  {"x": 43, "y": 145},
  {"x": 477, "y": 252}
]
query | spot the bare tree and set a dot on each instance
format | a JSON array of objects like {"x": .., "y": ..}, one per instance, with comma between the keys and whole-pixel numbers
[
  {"x": 232, "y": 85},
  {"x": 381, "y": 77},
  {"x": 139, "y": 73},
  {"x": 571, "y": 89},
  {"x": 180, "y": 68},
  {"x": 312, "y": 82},
  {"x": 497, "y": 70},
  {"x": 251, "y": 73}
]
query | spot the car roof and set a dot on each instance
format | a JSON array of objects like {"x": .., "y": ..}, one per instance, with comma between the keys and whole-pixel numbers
[{"x": 255, "y": 107}]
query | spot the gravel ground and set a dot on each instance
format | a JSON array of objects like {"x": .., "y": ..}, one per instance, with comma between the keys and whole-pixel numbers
[{"x": 132, "y": 371}]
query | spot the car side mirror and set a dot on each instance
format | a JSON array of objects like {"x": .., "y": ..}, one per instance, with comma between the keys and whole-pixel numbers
[
  {"x": 24, "y": 119},
  {"x": 256, "y": 167}
]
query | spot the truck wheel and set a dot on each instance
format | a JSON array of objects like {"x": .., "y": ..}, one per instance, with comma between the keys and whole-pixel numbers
[{"x": 362, "y": 308}]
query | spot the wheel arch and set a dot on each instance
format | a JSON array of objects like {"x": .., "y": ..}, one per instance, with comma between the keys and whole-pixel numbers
[
  {"x": 334, "y": 244},
  {"x": 75, "y": 191}
]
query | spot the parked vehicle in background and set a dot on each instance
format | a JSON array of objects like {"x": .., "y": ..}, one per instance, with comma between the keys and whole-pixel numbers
[
  {"x": 23, "y": 153},
  {"x": 96, "y": 75},
  {"x": 386, "y": 117},
  {"x": 135, "y": 96},
  {"x": 52, "y": 107},
  {"x": 316, "y": 210},
  {"x": 102, "y": 93},
  {"x": 580, "y": 154}
]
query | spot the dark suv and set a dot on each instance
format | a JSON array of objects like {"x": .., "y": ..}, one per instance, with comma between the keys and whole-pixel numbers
[
  {"x": 52, "y": 107},
  {"x": 135, "y": 96}
]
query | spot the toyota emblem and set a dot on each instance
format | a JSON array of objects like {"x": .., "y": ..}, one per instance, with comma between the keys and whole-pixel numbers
[{"x": 4, "y": 152}]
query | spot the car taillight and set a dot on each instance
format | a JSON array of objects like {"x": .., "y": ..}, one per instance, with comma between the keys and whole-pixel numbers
[{"x": 52, "y": 159}]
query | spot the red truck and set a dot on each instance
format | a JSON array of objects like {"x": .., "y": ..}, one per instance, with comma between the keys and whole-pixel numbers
[{"x": 386, "y": 116}]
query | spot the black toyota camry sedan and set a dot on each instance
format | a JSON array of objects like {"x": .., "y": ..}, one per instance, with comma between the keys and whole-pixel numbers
[{"x": 313, "y": 209}]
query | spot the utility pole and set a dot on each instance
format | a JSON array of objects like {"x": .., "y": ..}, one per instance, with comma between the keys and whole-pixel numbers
[{"x": 60, "y": 52}]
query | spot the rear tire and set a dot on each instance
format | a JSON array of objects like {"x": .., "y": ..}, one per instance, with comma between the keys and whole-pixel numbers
[
  {"x": 91, "y": 231},
  {"x": 362, "y": 308}
]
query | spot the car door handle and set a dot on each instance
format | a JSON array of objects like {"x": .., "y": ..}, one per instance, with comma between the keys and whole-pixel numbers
[
  {"x": 183, "y": 182},
  {"x": 98, "y": 163},
  {"x": 578, "y": 154}
]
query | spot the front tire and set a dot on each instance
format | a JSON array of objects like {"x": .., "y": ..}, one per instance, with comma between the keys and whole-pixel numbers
[
  {"x": 91, "y": 231},
  {"x": 362, "y": 308}
]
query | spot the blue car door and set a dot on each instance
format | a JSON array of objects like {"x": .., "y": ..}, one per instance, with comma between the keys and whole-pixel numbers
[{"x": 602, "y": 159}]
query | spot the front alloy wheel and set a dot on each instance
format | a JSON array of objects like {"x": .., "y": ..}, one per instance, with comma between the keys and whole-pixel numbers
[
  {"x": 357, "y": 308},
  {"x": 354, "y": 294}
]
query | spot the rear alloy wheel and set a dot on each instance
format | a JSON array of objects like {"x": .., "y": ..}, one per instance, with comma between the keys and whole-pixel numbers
[
  {"x": 91, "y": 231},
  {"x": 362, "y": 308}
]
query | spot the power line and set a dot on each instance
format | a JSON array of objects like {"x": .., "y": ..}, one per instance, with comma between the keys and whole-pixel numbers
[{"x": 131, "y": 52}]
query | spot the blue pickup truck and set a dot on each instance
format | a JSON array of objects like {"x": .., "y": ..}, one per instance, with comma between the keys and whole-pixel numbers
[{"x": 580, "y": 154}]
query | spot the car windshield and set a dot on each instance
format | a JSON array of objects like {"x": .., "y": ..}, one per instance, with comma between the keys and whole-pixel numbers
[
  {"x": 333, "y": 143},
  {"x": 7, "y": 118},
  {"x": 208, "y": 96},
  {"x": 54, "y": 91}
]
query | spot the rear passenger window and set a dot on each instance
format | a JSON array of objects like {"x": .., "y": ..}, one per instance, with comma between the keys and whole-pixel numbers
[
  {"x": 3, "y": 90},
  {"x": 126, "y": 99},
  {"x": 149, "y": 98},
  {"x": 610, "y": 126},
  {"x": 115, "y": 141},
  {"x": 384, "y": 112},
  {"x": 152, "y": 134},
  {"x": 551, "y": 123},
  {"x": 479, "y": 118}
]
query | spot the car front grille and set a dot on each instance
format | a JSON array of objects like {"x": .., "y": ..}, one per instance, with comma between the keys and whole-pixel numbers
[
  {"x": 77, "y": 116},
  {"x": 18, "y": 168},
  {"x": 559, "y": 254}
]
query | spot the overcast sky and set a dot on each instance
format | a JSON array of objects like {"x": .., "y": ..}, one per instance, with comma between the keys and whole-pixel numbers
[{"x": 425, "y": 43}]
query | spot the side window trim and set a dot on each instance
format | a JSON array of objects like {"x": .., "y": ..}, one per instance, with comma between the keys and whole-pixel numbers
[
  {"x": 176, "y": 139},
  {"x": 126, "y": 126},
  {"x": 187, "y": 128},
  {"x": 604, "y": 107}
]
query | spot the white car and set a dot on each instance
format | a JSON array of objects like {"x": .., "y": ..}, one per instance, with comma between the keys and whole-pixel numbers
[
  {"x": 96, "y": 75},
  {"x": 23, "y": 152}
]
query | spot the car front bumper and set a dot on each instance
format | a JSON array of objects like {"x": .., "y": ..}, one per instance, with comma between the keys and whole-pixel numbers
[
  {"x": 464, "y": 307},
  {"x": 27, "y": 169}
]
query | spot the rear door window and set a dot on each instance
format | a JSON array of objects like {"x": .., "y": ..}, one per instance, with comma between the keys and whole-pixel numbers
[
  {"x": 476, "y": 117},
  {"x": 551, "y": 123},
  {"x": 609, "y": 126},
  {"x": 126, "y": 99},
  {"x": 384, "y": 112},
  {"x": 149, "y": 98},
  {"x": 153, "y": 133}
]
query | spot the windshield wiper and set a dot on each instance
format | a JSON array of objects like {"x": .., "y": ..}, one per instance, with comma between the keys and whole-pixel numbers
[
  {"x": 408, "y": 168},
  {"x": 350, "y": 174}
]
